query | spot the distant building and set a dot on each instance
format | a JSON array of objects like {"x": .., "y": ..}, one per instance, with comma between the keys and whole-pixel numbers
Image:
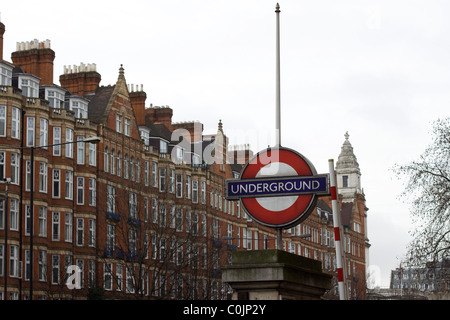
[
  {"x": 433, "y": 278},
  {"x": 141, "y": 214},
  {"x": 394, "y": 294}
]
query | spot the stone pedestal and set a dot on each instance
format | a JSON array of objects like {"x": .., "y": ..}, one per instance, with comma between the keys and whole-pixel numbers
[{"x": 275, "y": 275}]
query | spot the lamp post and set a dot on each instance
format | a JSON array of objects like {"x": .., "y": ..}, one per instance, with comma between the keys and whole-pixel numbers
[{"x": 94, "y": 140}]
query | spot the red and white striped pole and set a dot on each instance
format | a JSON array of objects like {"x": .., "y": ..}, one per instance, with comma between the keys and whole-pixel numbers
[{"x": 337, "y": 233}]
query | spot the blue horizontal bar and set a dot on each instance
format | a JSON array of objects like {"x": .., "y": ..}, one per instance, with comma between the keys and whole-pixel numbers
[{"x": 277, "y": 186}]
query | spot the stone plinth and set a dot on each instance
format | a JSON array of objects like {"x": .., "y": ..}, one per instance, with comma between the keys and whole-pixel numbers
[{"x": 275, "y": 275}]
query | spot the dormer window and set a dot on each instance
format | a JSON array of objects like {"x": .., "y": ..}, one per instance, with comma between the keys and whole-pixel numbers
[
  {"x": 195, "y": 160},
  {"x": 55, "y": 97},
  {"x": 29, "y": 85},
  {"x": 5, "y": 74},
  {"x": 178, "y": 154},
  {"x": 145, "y": 135},
  {"x": 79, "y": 106},
  {"x": 163, "y": 146}
]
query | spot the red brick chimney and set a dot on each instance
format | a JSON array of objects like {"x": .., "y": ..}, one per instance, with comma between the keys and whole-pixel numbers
[
  {"x": 2, "y": 32},
  {"x": 80, "y": 80},
  {"x": 161, "y": 115},
  {"x": 36, "y": 58},
  {"x": 240, "y": 154},
  {"x": 137, "y": 99},
  {"x": 195, "y": 129}
]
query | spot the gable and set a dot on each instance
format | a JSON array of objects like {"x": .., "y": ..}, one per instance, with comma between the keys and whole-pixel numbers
[{"x": 110, "y": 101}]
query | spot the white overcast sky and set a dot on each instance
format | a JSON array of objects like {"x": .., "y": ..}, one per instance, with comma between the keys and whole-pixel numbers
[{"x": 377, "y": 69}]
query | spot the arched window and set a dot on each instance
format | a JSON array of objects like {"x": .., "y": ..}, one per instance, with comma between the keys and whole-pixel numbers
[
  {"x": 125, "y": 166},
  {"x": 132, "y": 168},
  {"x": 113, "y": 169},
  {"x": 119, "y": 164}
]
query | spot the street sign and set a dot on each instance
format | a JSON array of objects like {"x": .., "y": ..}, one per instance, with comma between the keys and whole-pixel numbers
[
  {"x": 275, "y": 187},
  {"x": 278, "y": 187}
]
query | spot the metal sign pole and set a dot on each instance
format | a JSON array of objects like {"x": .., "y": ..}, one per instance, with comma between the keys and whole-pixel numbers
[
  {"x": 340, "y": 257},
  {"x": 278, "y": 98},
  {"x": 278, "y": 101}
]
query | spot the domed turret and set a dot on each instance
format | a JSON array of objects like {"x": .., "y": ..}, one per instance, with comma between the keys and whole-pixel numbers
[{"x": 347, "y": 171}]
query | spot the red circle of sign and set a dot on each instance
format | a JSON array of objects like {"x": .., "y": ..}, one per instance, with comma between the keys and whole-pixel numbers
[{"x": 299, "y": 208}]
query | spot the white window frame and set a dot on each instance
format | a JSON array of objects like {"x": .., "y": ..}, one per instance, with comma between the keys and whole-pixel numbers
[
  {"x": 132, "y": 205},
  {"x": 172, "y": 180},
  {"x": 110, "y": 198},
  {"x": 43, "y": 132},
  {"x": 80, "y": 150},
  {"x": 31, "y": 127},
  {"x": 91, "y": 233},
  {"x": 56, "y": 183},
  {"x": 162, "y": 178},
  {"x": 43, "y": 176},
  {"x": 15, "y": 173},
  {"x": 3, "y": 120},
  {"x": 113, "y": 160},
  {"x": 179, "y": 185},
  {"x": 127, "y": 127},
  {"x": 69, "y": 144},
  {"x": 79, "y": 107},
  {"x": 92, "y": 154},
  {"x": 42, "y": 221},
  {"x": 68, "y": 227},
  {"x": 68, "y": 185},
  {"x": 80, "y": 231},
  {"x": 110, "y": 237},
  {"x": 5, "y": 74},
  {"x": 15, "y": 123},
  {"x": 56, "y": 217},
  {"x": 92, "y": 192},
  {"x": 106, "y": 160},
  {"x": 29, "y": 86},
  {"x": 146, "y": 173},
  {"x": 80, "y": 190},
  {"x": 55, "y": 98},
  {"x": 194, "y": 191},
  {"x": 119, "y": 123},
  {"x": 27, "y": 220},
  {"x": 14, "y": 214},
  {"x": 154, "y": 174},
  {"x": 107, "y": 276},
  {"x": 13, "y": 260},
  {"x": 203, "y": 192},
  {"x": 163, "y": 146},
  {"x": 57, "y": 141},
  {"x": 42, "y": 265},
  {"x": 55, "y": 268}
]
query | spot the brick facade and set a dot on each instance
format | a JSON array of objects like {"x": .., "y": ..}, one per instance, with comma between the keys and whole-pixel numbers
[{"x": 140, "y": 217}]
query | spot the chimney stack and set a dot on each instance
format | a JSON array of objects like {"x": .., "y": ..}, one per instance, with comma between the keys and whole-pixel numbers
[
  {"x": 137, "y": 99},
  {"x": 36, "y": 58},
  {"x": 161, "y": 115},
  {"x": 80, "y": 80},
  {"x": 195, "y": 129}
]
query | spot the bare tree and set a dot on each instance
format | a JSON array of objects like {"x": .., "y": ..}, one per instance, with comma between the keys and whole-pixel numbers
[
  {"x": 428, "y": 191},
  {"x": 158, "y": 243}
]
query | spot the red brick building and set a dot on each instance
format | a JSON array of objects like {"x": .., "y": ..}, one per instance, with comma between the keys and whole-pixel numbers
[{"x": 142, "y": 214}]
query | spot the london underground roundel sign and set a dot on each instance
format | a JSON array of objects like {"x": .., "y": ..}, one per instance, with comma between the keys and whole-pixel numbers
[{"x": 278, "y": 187}]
